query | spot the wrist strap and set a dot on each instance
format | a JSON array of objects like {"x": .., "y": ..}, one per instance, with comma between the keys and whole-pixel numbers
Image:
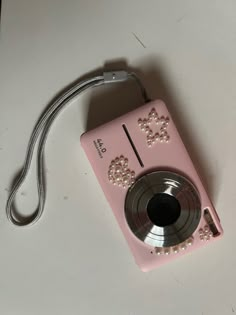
[{"x": 40, "y": 133}]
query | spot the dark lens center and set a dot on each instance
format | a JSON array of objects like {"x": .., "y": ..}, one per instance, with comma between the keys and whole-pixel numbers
[{"x": 163, "y": 209}]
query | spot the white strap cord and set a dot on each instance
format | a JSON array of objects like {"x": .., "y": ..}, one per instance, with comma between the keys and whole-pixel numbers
[{"x": 41, "y": 131}]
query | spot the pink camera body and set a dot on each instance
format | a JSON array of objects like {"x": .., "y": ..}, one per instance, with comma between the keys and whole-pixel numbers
[{"x": 123, "y": 153}]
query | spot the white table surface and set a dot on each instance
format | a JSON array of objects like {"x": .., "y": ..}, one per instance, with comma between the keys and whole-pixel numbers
[{"x": 75, "y": 260}]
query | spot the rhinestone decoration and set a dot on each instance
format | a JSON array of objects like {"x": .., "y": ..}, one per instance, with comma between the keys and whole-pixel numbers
[
  {"x": 119, "y": 174},
  {"x": 167, "y": 251},
  {"x": 158, "y": 250},
  {"x": 205, "y": 233},
  {"x": 175, "y": 249},
  {"x": 153, "y": 117}
]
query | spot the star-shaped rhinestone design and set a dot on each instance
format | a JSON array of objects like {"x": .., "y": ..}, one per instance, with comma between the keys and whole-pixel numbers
[{"x": 154, "y": 137}]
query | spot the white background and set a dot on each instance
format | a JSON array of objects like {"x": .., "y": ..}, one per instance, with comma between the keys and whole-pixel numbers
[{"x": 75, "y": 260}]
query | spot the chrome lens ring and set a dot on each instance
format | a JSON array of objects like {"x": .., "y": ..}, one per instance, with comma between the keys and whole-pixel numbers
[{"x": 165, "y": 183}]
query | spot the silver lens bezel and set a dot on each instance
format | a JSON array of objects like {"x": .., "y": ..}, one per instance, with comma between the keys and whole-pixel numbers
[{"x": 143, "y": 190}]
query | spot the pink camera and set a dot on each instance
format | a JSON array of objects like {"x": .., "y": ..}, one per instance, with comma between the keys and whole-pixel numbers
[{"x": 152, "y": 185}]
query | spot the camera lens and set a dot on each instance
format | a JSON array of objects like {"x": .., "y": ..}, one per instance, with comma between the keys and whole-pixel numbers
[{"x": 163, "y": 209}]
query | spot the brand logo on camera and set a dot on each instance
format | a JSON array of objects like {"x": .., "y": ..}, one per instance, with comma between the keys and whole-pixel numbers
[{"x": 99, "y": 145}]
